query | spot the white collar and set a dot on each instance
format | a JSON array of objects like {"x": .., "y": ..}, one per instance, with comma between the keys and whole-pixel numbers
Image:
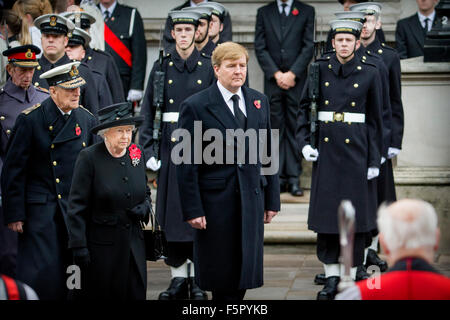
[
  {"x": 422, "y": 17},
  {"x": 226, "y": 94},
  {"x": 193, "y": 4},
  {"x": 110, "y": 9},
  {"x": 62, "y": 112}
]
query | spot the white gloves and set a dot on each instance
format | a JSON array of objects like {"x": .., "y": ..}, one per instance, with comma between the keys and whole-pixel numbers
[
  {"x": 152, "y": 164},
  {"x": 309, "y": 153},
  {"x": 372, "y": 172},
  {"x": 392, "y": 152},
  {"x": 383, "y": 160},
  {"x": 135, "y": 95}
]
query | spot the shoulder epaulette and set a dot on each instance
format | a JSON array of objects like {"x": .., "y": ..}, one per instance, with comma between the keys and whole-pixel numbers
[
  {"x": 385, "y": 46},
  {"x": 34, "y": 107},
  {"x": 86, "y": 110},
  {"x": 367, "y": 63},
  {"x": 42, "y": 89},
  {"x": 206, "y": 56}
]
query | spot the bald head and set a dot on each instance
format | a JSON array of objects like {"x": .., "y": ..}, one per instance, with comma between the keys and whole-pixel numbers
[{"x": 408, "y": 225}]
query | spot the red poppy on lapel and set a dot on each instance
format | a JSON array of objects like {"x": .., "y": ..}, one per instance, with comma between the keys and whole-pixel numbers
[
  {"x": 77, "y": 130},
  {"x": 295, "y": 12},
  {"x": 257, "y": 104},
  {"x": 135, "y": 154}
]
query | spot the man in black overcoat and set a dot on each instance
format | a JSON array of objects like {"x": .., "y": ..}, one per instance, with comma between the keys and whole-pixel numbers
[
  {"x": 284, "y": 48},
  {"x": 227, "y": 200},
  {"x": 36, "y": 180}
]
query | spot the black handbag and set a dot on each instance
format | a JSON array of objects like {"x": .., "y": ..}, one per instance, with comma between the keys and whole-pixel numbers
[{"x": 155, "y": 240}]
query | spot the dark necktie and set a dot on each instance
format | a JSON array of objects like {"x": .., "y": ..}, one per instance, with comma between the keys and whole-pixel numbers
[
  {"x": 425, "y": 30},
  {"x": 238, "y": 113},
  {"x": 106, "y": 15},
  {"x": 283, "y": 10},
  {"x": 66, "y": 116}
]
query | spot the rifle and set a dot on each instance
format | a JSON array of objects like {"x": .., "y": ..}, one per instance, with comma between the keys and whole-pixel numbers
[
  {"x": 158, "y": 100},
  {"x": 346, "y": 216}
]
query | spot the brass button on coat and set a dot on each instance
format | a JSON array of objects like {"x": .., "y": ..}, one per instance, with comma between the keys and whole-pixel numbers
[
  {"x": 59, "y": 196},
  {"x": 347, "y": 141},
  {"x": 356, "y": 85},
  {"x": 170, "y": 81},
  {"x": 326, "y": 139},
  {"x": 50, "y": 128},
  {"x": 171, "y": 101},
  {"x": 54, "y": 163},
  {"x": 353, "y": 104},
  {"x": 57, "y": 180},
  {"x": 327, "y": 84},
  {"x": 2, "y": 118},
  {"x": 199, "y": 81},
  {"x": 52, "y": 146}
]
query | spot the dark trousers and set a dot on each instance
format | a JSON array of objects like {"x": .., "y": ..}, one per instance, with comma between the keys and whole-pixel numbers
[
  {"x": 179, "y": 252},
  {"x": 8, "y": 249},
  {"x": 284, "y": 105},
  {"x": 229, "y": 295},
  {"x": 328, "y": 248},
  {"x": 386, "y": 184}
]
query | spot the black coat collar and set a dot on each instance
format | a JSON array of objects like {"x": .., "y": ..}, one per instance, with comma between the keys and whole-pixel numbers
[
  {"x": 190, "y": 63},
  {"x": 343, "y": 69},
  {"x": 59, "y": 129}
]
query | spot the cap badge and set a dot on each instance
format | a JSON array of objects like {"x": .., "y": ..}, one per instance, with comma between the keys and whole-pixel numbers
[
  {"x": 29, "y": 54},
  {"x": 74, "y": 71},
  {"x": 53, "y": 21}
]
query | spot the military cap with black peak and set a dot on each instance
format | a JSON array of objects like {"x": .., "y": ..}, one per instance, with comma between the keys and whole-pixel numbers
[
  {"x": 119, "y": 114},
  {"x": 23, "y": 56},
  {"x": 346, "y": 26},
  {"x": 217, "y": 8},
  {"x": 369, "y": 8},
  {"x": 79, "y": 37},
  {"x": 351, "y": 15},
  {"x": 205, "y": 12},
  {"x": 54, "y": 24},
  {"x": 184, "y": 17},
  {"x": 81, "y": 19},
  {"x": 66, "y": 76}
]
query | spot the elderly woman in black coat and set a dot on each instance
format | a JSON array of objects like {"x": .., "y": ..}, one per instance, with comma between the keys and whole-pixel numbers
[{"x": 108, "y": 200}]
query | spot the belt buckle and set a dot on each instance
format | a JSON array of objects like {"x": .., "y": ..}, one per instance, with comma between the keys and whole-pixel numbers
[{"x": 338, "y": 116}]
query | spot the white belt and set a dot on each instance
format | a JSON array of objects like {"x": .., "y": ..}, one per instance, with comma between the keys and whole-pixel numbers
[
  {"x": 342, "y": 116},
  {"x": 170, "y": 116}
]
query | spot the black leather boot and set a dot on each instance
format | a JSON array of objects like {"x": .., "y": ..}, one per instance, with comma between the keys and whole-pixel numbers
[
  {"x": 374, "y": 259},
  {"x": 178, "y": 290},
  {"x": 361, "y": 273},
  {"x": 195, "y": 293},
  {"x": 320, "y": 279},
  {"x": 330, "y": 290}
]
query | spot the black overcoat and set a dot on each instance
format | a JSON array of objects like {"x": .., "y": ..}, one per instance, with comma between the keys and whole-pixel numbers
[
  {"x": 346, "y": 150},
  {"x": 36, "y": 179},
  {"x": 228, "y": 254},
  {"x": 104, "y": 188},
  {"x": 182, "y": 79}
]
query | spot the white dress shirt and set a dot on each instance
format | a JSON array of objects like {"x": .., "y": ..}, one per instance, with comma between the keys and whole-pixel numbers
[
  {"x": 227, "y": 97},
  {"x": 422, "y": 19},
  {"x": 287, "y": 9},
  {"x": 193, "y": 4},
  {"x": 110, "y": 9}
]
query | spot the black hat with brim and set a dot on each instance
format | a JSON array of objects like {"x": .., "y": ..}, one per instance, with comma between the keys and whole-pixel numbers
[
  {"x": 119, "y": 114},
  {"x": 23, "y": 56}
]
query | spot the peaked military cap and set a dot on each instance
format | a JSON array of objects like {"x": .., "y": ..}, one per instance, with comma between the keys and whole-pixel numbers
[
  {"x": 351, "y": 15},
  {"x": 54, "y": 24},
  {"x": 66, "y": 76},
  {"x": 184, "y": 17},
  {"x": 205, "y": 12},
  {"x": 23, "y": 56},
  {"x": 217, "y": 8},
  {"x": 346, "y": 26},
  {"x": 79, "y": 36},
  {"x": 81, "y": 19},
  {"x": 369, "y": 8},
  {"x": 119, "y": 114}
]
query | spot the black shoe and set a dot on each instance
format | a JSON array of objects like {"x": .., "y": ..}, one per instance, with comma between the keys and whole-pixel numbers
[
  {"x": 330, "y": 290},
  {"x": 361, "y": 273},
  {"x": 195, "y": 293},
  {"x": 295, "y": 190},
  {"x": 320, "y": 279},
  {"x": 178, "y": 290},
  {"x": 283, "y": 187},
  {"x": 374, "y": 259}
]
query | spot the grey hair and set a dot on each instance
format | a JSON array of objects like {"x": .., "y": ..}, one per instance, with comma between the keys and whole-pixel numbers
[
  {"x": 102, "y": 132},
  {"x": 408, "y": 233}
]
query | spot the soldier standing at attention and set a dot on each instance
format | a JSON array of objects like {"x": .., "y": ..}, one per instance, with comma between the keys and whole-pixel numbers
[
  {"x": 202, "y": 41},
  {"x": 348, "y": 145},
  {"x": 125, "y": 41},
  {"x": 36, "y": 179},
  {"x": 55, "y": 31},
  {"x": 393, "y": 143},
  {"x": 186, "y": 72},
  {"x": 17, "y": 95}
]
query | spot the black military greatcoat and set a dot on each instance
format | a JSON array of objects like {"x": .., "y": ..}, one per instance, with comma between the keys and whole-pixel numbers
[
  {"x": 103, "y": 190},
  {"x": 104, "y": 63},
  {"x": 89, "y": 92},
  {"x": 183, "y": 78},
  {"x": 346, "y": 150},
  {"x": 13, "y": 100},
  {"x": 228, "y": 254},
  {"x": 36, "y": 179}
]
